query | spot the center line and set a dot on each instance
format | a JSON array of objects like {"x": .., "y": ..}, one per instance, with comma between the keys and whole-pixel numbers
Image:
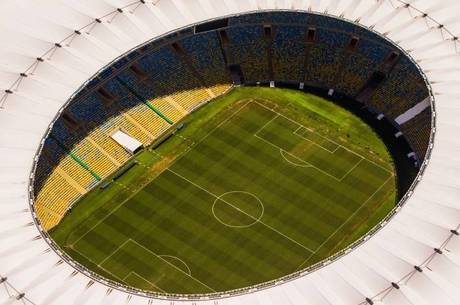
[{"x": 236, "y": 208}]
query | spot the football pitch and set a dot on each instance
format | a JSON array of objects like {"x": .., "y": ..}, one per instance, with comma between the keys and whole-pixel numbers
[{"x": 259, "y": 184}]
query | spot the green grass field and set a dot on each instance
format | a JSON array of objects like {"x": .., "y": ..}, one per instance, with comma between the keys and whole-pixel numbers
[{"x": 260, "y": 183}]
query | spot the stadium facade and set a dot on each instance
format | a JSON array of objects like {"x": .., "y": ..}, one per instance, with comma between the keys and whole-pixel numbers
[{"x": 50, "y": 49}]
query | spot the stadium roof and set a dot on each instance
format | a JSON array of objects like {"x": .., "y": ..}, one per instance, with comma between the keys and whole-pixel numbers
[{"x": 50, "y": 48}]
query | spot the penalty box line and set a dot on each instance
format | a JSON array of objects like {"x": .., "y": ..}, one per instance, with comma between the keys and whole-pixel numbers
[
  {"x": 297, "y": 158},
  {"x": 88, "y": 258},
  {"x": 305, "y": 127},
  {"x": 228, "y": 119},
  {"x": 238, "y": 209},
  {"x": 172, "y": 265},
  {"x": 144, "y": 279},
  {"x": 154, "y": 254},
  {"x": 134, "y": 193},
  {"x": 189, "y": 148},
  {"x": 308, "y": 163},
  {"x": 296, "y": 132},
  {"x": 346, "y": 220},
  {"x": 116, "y": 250},
  {"x": 332, "y": 141}
]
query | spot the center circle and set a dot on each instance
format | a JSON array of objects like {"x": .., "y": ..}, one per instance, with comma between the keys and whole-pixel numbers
[{"x": 238, "y": 209}]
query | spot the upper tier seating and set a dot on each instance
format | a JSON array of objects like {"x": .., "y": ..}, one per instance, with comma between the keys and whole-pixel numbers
[
  {"x": 249, "y": 49},
  {"x": 289, "y": 52},
  {"x": 152, "y": 88}
]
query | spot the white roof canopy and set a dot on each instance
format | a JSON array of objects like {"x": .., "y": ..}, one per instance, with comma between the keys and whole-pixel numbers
[{"x": 32, "y": 273}]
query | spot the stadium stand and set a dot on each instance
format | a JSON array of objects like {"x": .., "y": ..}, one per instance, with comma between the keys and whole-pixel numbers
[
  {"x": 289, "y": 52},
  {"x": 248, "y": 48},
  {"x": 322, "y": 66},
  {"x": 206, "y": 56},
  {"x": 357, "y": 70},
  {"x": 415, "y": 129},
  {"x": 155, "y": 86}
]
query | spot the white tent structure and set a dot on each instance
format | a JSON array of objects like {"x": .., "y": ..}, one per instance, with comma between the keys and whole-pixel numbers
[
  {"x": 129, "y": 143},
  {"x": 48, "y": 49}
]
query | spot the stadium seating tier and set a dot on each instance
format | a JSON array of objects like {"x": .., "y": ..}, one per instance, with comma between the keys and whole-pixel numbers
[{"x": 155, "y": 86}]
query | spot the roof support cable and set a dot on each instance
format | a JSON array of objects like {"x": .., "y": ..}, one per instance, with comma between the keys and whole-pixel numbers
[
  {"x": 441, "y": 28},
  {"x": 137, "y": 6},
  {"x": 53, "y": 50},
  {"x": 93, "y": 25},
  {"x": 115, "y": 14},
  {"x": 72, "y": 37},
  {"x": 20, "y": 296},
  {"x": 455, "y": 40},
  {"x": 35, "y": 65},
  {"x": 424, "y": 16},
  {"x": 19, "y": 81},
  {"x": 3, "y": 100}
]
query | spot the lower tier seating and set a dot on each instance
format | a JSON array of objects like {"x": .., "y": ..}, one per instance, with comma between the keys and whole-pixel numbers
[
  {"x": 154, "y": 87},
  {"x": 53, "y": 200}
]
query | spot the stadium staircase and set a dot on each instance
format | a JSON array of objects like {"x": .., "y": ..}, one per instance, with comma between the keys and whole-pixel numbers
[
  {"x": 269, "y": 46},
  {"x": 145, "y": 101}
]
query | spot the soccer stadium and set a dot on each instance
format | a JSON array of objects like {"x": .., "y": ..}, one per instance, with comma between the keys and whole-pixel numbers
[{"x": 229, "y": 152}]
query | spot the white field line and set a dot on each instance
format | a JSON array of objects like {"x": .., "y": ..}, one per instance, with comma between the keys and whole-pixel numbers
[
  {"x": 297, "y": 129},
  {"x": 351, "y": 169},
  {"x": 238, "y": 209},
  {"x": 313, "y": 142},
  {"x": 276, "y": 146},
  {"x": 304, "y": 161},
  {"x": 347, "y": 220},
  {"x": 182, "y": 261},
  {"x": 189, "y": 148},
  {"x": 210, "y": 132},
  {"x": 82, "y": 254},
  {"x": 109, "y": 214},
  {"x": 143, "y": 278},
  {"x": 267, "y": 123},
  {"x": 306, "y": 164},
  {"x": 340, "y": 145},
  {"x": 239, "y": 226},
  {"x": 115, "y": 251},
  {"x": 295, "y": 157},
  {"x": 296, "y": 132},
  {"x": 194, "y": 144},
  {"x": 134, "y": 193},
  {"x": 186, "y": 150},
  {"x": 172, "y": 265}
]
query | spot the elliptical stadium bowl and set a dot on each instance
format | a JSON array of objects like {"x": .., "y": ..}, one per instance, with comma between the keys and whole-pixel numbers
[{"x": 422, "y": 254}]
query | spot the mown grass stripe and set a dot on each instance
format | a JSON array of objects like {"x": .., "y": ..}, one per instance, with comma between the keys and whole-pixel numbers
[
  {"x": 206, "y": 207},
  {"x": 196, "y": 160},
  {"x": 173, "y": 216},
  {"x": 188, "y": 225},
  {"x": 212, "y": 179}
]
